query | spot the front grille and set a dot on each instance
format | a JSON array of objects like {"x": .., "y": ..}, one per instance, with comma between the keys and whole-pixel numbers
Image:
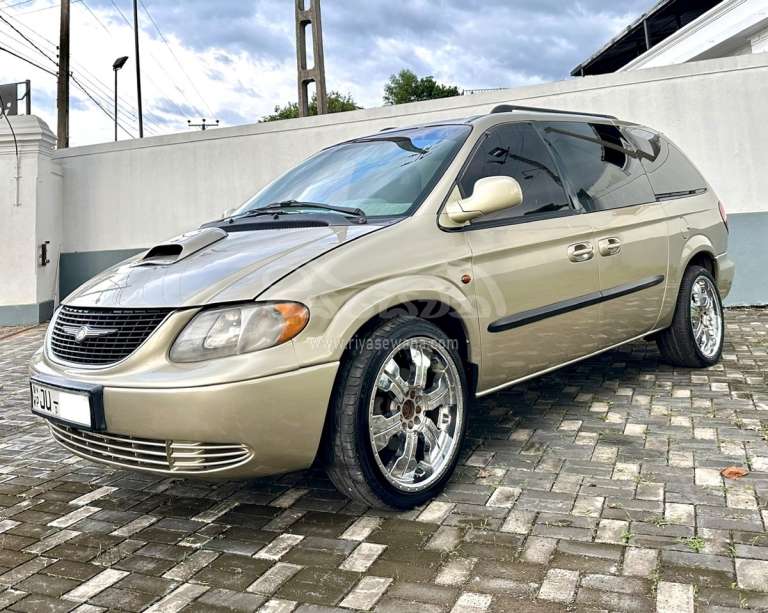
[
  {"x": 128, "y": 328},
  {"x": 177, "y": 457}
]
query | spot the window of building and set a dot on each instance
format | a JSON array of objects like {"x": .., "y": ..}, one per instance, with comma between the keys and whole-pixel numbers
[
  {"x": 602, "y": 166},
  {"x": 516, "y": 150}
]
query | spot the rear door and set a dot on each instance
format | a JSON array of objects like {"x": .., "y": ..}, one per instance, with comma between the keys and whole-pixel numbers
[
  {"x": 534, "y": 265},
  {"x": 630, "y": 228},
  {"x": 686, "y": 198}
]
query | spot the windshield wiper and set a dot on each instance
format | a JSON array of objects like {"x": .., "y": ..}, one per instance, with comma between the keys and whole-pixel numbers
[{"x": 276, "y": 208}]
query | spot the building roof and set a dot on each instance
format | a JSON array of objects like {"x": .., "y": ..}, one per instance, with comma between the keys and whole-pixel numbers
[{"x": 665, "y": 18}]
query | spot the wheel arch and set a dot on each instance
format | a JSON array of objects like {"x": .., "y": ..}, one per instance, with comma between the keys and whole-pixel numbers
[
  {"x": 698, "y": 251},
  {"x": 432, "y": 299},
  {"x": 705, "y": 259},
  {"x": 438, "y": 313}
]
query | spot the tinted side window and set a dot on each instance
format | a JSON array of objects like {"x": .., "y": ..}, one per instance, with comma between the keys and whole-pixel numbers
[
  {"x": 602, "y": 166},
  {"x": 669, "y": 171},
  {"x": 515, "y": 150}
]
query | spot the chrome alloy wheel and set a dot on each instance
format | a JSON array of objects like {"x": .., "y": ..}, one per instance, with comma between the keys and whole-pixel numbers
[
  {"x": 706, "y": 317},
  {"x": 416, "y": 414}
]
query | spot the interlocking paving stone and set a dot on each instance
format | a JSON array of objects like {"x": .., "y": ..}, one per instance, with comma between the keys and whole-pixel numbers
[
  {"x": 277, "y": 605},
  {"x": 362, "y": 557},
  {"x": 639, "y": 562},
  {"x": 538, "y": 550},
  {"x": 559, "y": 585},
  {"x": 752, "y": 574},
  {"x": 674, "y": 598},
  {"x": 596, "y": 487},
  {"x": 472, "y": 601},
  {"x": 271, "y": 580},
  {"x": 456, "y": 571}
]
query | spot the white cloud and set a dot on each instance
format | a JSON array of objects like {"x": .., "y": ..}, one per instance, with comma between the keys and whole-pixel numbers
[{"x": 238, "y": 57}]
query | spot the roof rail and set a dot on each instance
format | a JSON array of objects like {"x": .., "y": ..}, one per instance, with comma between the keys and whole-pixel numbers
[{"x": 507, "y": 108}]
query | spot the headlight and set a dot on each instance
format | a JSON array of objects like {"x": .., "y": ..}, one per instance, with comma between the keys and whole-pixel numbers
[{"x": 215, "y": 333}]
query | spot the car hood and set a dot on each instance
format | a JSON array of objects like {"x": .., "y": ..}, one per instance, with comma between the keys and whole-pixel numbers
[{"x": 239, "y": 266}]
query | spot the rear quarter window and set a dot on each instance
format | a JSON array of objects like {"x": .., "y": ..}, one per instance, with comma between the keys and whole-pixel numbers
[
  {"x": 601, "y": 165},
  {"x": 671, "y": 173}
]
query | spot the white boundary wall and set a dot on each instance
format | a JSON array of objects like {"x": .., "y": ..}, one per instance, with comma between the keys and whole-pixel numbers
[{"x": 130, "y": 194}]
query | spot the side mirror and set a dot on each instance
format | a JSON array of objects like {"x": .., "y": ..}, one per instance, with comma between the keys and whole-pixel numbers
[{"x": 490, "y": 194}]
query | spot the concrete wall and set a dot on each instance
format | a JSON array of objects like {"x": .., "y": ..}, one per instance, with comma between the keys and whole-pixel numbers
[
  {"x": 117, "y": 198},
  {"x": 30, "y": 213},
  {"x": 122, "y": 197}
]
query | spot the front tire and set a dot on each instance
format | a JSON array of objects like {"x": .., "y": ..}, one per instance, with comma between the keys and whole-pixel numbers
[
  {"x": 398, "y": 415},
  {"x": 695, "y": 338}
]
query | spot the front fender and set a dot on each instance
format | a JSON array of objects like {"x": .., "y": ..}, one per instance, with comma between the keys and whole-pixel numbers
[{"x": 361, "y": 306}]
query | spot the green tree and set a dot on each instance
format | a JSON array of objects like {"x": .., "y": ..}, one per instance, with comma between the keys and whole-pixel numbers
[
  {"x": 405, "y": 86},
  {"x": 336, "y": 103}
]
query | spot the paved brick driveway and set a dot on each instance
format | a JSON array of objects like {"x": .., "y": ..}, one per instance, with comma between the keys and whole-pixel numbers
[{"x": 595, "y": 488}]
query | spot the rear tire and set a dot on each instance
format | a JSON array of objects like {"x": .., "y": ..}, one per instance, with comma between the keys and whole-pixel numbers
[
  {"x": 695, "y": 338},
  {"x": 398, "y": 415}
]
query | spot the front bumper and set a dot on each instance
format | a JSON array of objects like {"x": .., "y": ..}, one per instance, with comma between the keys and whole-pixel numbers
[{"x": 234, "y": 430}]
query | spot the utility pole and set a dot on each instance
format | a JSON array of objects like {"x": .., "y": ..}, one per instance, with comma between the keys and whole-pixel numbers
[
  {"x": 315, "y": 74},
  {"x": 138, "y": 65},
  {"x": 62, "y": 93}
]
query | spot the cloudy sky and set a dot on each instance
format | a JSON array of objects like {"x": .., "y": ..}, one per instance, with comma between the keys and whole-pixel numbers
[{"x": 234, "y": 60}]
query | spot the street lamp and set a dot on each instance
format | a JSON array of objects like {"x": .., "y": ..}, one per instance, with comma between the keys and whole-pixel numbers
[{"x": 117, "y": 65}]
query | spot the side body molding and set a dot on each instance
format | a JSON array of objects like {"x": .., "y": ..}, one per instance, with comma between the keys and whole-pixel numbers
[{"x": 565, "y": 306}]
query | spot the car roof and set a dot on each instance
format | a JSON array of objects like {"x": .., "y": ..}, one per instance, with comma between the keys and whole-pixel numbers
[{"x": 506, "y": 113}]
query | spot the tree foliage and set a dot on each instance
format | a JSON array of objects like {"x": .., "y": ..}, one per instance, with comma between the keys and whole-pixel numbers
[
  {"x": 336, "y": 103},
  {"x": 406, "y": 86}
]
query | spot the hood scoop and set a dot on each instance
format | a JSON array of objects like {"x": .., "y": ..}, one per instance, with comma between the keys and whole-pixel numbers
[{"x": 180, "y": 247}]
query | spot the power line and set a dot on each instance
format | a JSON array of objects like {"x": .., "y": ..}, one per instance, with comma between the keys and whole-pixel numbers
[
  {"x": 31, "y": 42},
  {"x": 82, "y": 87},
  {"x": 160, "y": 64},
  {"x": 28, "y": 61},
  {"x": 98, "y": 104},
  {"x": 10, "y": 6},
  {"x": 45, "y": 8},
  {"x": 12, "y": 40},
  {"x": 125, "y": 108},
  {"x": 75, "y": 81},
  {"x": 88, "y": 8},
  {"x": 181, "y": 66},
  {"x": 104, "y": 97},
  {"x": 90, "y": 81}
]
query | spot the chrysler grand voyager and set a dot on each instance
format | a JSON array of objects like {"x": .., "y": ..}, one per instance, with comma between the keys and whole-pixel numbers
[{"x": 352, "y": 309}]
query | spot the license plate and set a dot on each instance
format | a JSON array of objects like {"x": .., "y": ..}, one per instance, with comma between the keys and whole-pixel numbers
[{"x": 72, "y": 403}]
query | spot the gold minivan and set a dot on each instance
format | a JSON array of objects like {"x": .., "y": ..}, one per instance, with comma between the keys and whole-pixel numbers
[{"x": 352, "y": 310}]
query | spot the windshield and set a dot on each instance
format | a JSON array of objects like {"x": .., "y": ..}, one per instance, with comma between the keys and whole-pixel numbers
[{"x": 387, "y": 174}]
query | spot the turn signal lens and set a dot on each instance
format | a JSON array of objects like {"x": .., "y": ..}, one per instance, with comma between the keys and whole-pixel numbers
[
  {"x": 220, "y": 332},
  {"x": 295, "y": 317}
]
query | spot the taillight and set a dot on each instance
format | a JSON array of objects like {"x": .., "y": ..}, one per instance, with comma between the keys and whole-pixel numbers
[{"x": 723, "y": 214}]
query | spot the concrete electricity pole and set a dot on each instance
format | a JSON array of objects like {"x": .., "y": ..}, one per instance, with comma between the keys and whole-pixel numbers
[
  {"x": 316, "y": 73},
  {"x": 62, "y": 94}
]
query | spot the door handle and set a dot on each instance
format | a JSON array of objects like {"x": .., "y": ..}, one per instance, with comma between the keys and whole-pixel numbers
[
  {"x": 609, "y": 246},
  {"x": 581, "y": 252}
]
